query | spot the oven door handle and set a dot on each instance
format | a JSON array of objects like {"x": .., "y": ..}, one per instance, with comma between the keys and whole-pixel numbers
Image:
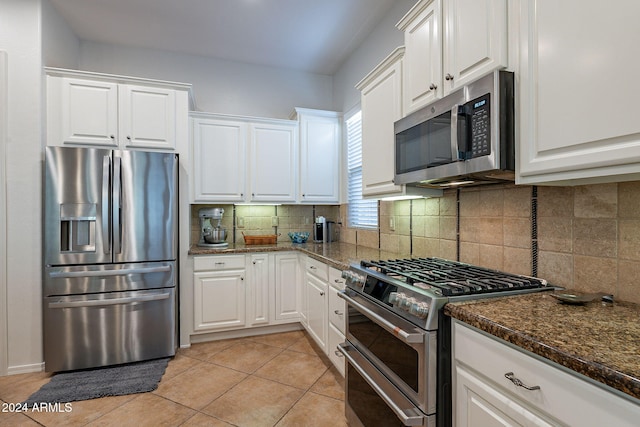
[
  {"x": 409, "y": 338},
  {"x": 407, "y": 420}
]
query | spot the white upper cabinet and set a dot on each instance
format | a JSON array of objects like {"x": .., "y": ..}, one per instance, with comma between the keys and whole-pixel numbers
[
  {"x": 319, "y": 156},
  {"x": 475, "y": 40},
  {"x": 450, "y": 43},
  {"x": 219, "y": 146},
  {"x": 242, "y": 159},
  {"x": 147, "y": 116},
  {"x": 90, "y": 109},
  {"x": 273, "y": 161},
  {"x": 422, "y": 74},
  {"x": 381, "y": 103},
  {"x": 571, "y": 133}
]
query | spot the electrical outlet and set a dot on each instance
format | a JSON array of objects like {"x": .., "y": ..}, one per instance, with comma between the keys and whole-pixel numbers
[
  {"x": 274, "y": 221},
  {"x": 240, "y": 222},
  {"x": 392, "y": 223},
  {"x": 307, "y": 220}
]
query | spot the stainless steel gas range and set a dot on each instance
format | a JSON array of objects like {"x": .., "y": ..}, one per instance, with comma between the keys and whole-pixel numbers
[{"x": 397, "y": 344}]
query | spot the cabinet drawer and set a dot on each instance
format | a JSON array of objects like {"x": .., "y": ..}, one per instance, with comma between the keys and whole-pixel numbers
[
  {"x": 563, "y": 396},
  {"x": 337, "y": 309},
  {"x": 335, "y": 338},
  {"x": 218, "y": 262},
  {"x": 335, "y": 278},
  {"x": 318, "y": 269}
]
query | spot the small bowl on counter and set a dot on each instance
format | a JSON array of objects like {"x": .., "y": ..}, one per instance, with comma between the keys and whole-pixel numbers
[{"x": 299, "y": 236}]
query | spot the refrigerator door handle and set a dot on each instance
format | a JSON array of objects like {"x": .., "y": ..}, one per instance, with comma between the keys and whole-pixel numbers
[
  {"x": 117, "y": 202},
  {"x": 108, "y": 273},
  {"x": 106, "y": 169},
  {"x": 107, "y": 302}
]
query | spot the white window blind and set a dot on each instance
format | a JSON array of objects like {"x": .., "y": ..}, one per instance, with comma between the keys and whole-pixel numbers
[{"x": 362, "y": 213}]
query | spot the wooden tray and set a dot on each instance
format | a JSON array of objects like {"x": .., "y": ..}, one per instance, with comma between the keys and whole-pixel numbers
[{"x": 260, "y": 239}]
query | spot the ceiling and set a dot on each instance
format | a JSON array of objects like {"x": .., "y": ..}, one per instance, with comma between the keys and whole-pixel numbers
[{"x": 307, "y": 35}]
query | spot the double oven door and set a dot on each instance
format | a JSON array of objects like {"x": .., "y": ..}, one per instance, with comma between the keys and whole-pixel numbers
[{"x": 391, "y": 376}]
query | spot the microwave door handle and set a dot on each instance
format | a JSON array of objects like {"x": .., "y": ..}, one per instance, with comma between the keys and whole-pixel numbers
[
  {"x": 455, "y": 152},
  {"x": 117, "y": 202},
  {"x": 106, "y": 175}
]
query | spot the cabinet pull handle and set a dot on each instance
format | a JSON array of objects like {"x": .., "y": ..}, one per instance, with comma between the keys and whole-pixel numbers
[
  {"x": 338, "y": 312},
  {"x": 221, "y": 264},
  {"x": 338, "y": 281},
  {"x": 312, "y": 267},
  {"x": 337, "y": 353},
  {"x": 433, "y": 87},
  {"x": 448, "y": 77},
  {"x": 511, "y": 377}
]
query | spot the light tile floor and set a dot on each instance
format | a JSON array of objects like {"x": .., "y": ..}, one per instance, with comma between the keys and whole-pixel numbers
[{"x": 270, "y": 380}]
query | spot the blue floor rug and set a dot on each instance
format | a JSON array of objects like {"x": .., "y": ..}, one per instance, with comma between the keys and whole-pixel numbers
[{"x": 88, "y": 384}]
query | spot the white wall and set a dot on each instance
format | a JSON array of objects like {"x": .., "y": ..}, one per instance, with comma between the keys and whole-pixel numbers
[
  {"x": 380, "y": 43},
  {"x": 219, "y": 86},
  {"x": 60, "y": 46},
  {"x": 20, "y": 38}
]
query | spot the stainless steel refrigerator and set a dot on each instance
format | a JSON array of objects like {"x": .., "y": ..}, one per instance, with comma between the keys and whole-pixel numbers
[{"x": 110, "y": 249}]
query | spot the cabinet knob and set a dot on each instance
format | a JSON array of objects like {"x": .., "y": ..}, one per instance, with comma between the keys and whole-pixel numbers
[
  {"x": 312, "y": 267},
  {"x": 433, "y": 87},
  {"x": 448, "y": 77},
  {"x": 321, "y": 294},
  {"x": 337, "y": 353},
  {"x": 254, "y": 263},
  {"x": 129, "y": 137},
  {"x": 112, "y": 136},
  {"x": 304, "y": 195},
  {"x": 241, "y": 278}
]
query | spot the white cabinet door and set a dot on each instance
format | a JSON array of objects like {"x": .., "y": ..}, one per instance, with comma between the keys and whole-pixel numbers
[
  {"x": 475, "y": 40},
  {"x": 479, "y": 404},
  {"x": 219, "y": 157},
  {"x": 219, "y": 300},
  {"x": 319, "y": 156},
  {"x": 88, "y": 111},
  {"x": 287, "y": 288},
  {"x": 147, "y": 117},
  {"x": 381, "y": 100},
  {"x": 317, "y": 322},
  {"x": 573, "y": 129},
  {"x": 422, "y": 69},
  {"x": 258, "y": 289},
  {"x": 273, "y": 162}
]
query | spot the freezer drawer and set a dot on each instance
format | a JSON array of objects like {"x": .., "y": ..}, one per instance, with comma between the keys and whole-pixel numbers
[
  {"x": 93, "y": 279},
  {"x": 85, "y": 331}
]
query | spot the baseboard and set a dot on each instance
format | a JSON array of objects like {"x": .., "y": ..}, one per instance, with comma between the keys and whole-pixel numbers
[
  {"x": 241, "y": 333},
  {"x": 25, "y": 369}
]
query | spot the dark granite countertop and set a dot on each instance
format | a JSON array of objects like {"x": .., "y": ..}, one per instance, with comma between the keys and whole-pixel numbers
[
  {"x": 336, "y": 254},
  {"x": 599, "y": 340}
]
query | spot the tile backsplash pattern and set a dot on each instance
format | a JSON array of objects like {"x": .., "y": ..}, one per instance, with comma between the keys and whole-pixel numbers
[
  {"x": 258, "y": 219},
  {"x": 588, "y": 236}
]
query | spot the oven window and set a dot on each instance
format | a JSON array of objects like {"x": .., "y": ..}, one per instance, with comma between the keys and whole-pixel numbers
[
  {"x": 396, "y": 355},
  {"x": 425, "y": 145},
  {"x": 365, "y": 402}
]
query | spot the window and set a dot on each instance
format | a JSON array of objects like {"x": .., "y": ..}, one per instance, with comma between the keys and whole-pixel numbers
[{"x": 362, "y": 213}]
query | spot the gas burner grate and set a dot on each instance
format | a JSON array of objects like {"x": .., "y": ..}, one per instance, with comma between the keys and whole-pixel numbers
[{"x": 451, "y": 278}]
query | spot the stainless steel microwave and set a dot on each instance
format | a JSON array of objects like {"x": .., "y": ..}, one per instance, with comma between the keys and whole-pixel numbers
[{"x": 465, "y": 138}]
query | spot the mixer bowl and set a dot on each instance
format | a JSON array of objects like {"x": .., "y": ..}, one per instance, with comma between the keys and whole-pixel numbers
[{"x": 215, "y": 235}]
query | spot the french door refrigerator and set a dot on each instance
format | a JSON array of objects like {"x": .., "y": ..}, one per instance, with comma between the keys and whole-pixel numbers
[{"x": 110, "y": 249}]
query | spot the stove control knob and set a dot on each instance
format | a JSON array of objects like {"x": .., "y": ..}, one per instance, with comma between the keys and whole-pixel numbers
[
  {"x": 419, "y": 309},
  {"x": 405, "y": 302},
  {"x": 393, "y": 297}
]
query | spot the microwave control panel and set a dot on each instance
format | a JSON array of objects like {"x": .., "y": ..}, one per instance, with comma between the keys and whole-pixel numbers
[{"x": 480, "y": 126}]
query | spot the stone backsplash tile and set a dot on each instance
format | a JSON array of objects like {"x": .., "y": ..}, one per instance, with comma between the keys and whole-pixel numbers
[
  {"x": 555, "y": 234},
  {"x": 595, "y": 274},
  {"x": 555, "y": 202},
  {"x": 517, "y": 232},
  {"x": 629, "y": 239},
  {"x": 628, "y": 281},
  {"x": 595, "y": 237},
  {"x": 556, "y": 267},
  {"x": 629, "y": 200},
  {"x": 596, "y": 201}
]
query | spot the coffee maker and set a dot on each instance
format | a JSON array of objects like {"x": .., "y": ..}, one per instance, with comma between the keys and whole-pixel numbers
[
  {"x": 324, "y": 231},
  {"x": 212, "y": 233}
]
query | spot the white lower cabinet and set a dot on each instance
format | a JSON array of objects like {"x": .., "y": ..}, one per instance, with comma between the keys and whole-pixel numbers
[
  {"x": 287, "y": 298},
  {"x": 484, "y": 396},
  {"x": 243, "y": 291},
  {"x": 317, "y": 322},
  {"x": 219, "y": 292}
]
